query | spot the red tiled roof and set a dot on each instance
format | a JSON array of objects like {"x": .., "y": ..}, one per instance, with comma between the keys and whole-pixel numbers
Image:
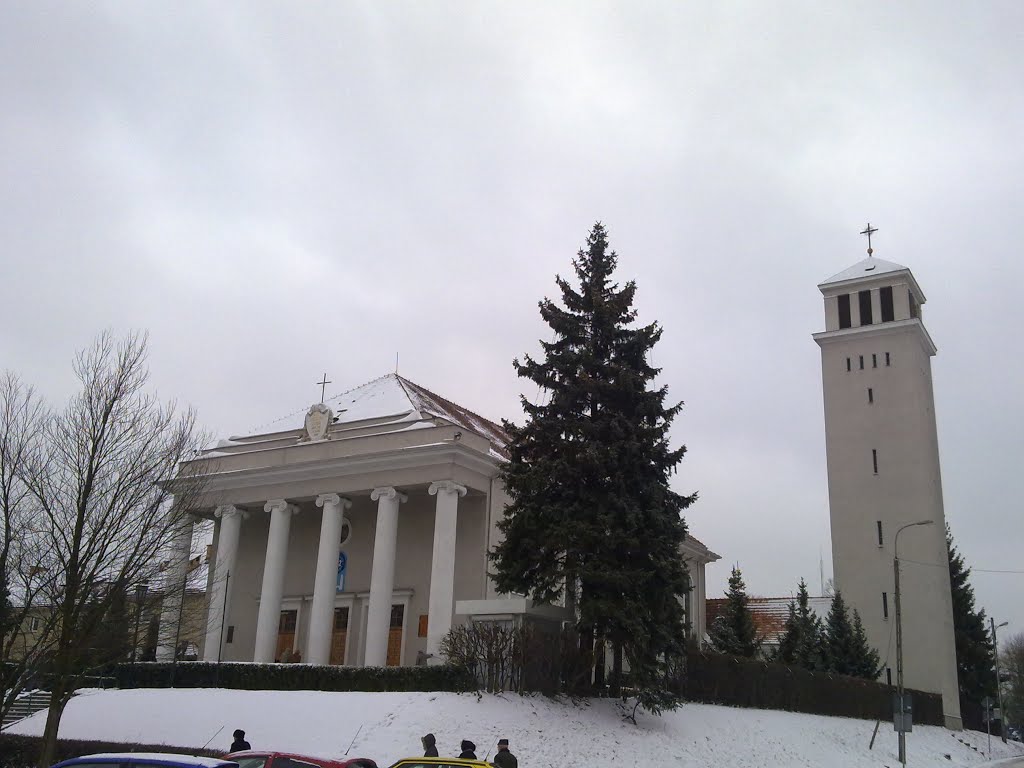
[{"x": 769, "y": 613}]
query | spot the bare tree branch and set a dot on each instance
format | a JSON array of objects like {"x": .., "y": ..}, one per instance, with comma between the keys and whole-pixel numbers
[{"x": 88, "y": 515}]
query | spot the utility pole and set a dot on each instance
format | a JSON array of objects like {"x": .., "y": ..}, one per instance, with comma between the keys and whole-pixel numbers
[
  {"x": 901, "y": 719},
  {"x": 999, "y": 684}
]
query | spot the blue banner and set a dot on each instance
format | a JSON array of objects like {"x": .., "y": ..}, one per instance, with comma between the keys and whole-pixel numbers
[{"x": 342, "y": 563}]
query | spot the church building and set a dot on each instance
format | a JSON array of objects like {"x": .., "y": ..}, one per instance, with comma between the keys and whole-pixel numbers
[
  {"x": 884, "y": 483},
  {"x": 358, "y": 533}
]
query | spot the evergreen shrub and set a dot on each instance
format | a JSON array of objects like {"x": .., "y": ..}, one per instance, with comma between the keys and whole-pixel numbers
[
  {"x": 713, "y": 678},
  {"x": 293, "y": 677}
]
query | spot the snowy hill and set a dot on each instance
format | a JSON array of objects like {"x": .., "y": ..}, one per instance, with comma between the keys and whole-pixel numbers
[{"x": 543, "y": 732}]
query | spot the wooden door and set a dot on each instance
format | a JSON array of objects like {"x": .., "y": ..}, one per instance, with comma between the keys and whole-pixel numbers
[
  {"x": 395, "y": 635},
  {"x": 286, "y": 634},
  {"x": 339, "y": 636}
]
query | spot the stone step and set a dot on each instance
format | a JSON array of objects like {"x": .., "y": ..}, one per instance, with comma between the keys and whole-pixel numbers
[{"x": 25, "y": 705}]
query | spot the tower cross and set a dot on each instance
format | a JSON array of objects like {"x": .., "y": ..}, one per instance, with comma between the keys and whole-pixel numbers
[
  {"x": 869, "y": 231},
  {"x": 323, "y": 386}
]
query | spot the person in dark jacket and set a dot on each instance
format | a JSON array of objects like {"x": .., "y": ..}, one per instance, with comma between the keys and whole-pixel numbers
[
  {"x": 429, "y": 745},
  {"x": 239, "y": 744},
  {"x": 504, "y": 758},
  {"x": 468, "y": 750}
]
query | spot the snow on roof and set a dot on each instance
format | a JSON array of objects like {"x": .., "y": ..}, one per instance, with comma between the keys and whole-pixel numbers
[
  {"x": 769, "y": 613},
  {"x": 864, "y": 268},
  {"x": 394, "y": 397},
  {"x": 376, "y": 399},
  {"x": 427, "y": 402}
]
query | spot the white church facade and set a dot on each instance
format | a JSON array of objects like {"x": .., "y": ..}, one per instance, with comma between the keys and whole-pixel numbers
[{"x": 358, "y": 533}]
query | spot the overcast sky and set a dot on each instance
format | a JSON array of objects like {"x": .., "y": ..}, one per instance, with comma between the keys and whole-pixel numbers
[{"x": 279, "y": 190}]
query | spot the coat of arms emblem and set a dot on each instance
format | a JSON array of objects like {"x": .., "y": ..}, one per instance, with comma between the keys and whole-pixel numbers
[{"x": 318, "y": 419}]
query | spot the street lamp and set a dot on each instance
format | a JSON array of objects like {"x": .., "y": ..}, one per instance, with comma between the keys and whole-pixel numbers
[
  {"x": 999, "y": 686},
  {"x": 140, "y": 597},
  {"x": 899, "y": 637}
]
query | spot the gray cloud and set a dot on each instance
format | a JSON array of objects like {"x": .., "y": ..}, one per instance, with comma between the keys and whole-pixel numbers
[{"x": 275, "y": 191}]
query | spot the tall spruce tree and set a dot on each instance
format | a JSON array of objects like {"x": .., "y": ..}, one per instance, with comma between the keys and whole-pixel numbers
[
  {"x": 802, "y": 639},
  {"x": 588, "y": 477},
  {"x": 975, "y": 655},
  {"x": 865, "y": 661},
  {"x": 847, "y": 651},
  {"x": 838, "y": 636},
  {"x": 734, "y": 631}
]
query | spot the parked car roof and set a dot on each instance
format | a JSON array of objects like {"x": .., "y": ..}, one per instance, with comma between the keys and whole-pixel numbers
[
  {"x": 409, "y": 762},
  {"x": 150, "y": 758},
  {"x": 324, "y": 762}
]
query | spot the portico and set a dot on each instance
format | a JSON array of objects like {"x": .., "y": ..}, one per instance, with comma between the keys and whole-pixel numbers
[{"x": 350, "y": 542}]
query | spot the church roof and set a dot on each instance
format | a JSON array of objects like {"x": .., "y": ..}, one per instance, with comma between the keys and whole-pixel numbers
[
  {"x": 393, "y": 398},
  {"x": 426, "y": 402},
  {"x": 864, "y": 268}
]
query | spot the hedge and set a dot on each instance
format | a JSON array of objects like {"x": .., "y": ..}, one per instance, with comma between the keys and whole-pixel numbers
[
  {"x": 713, "y": 678},
  {"x": 24, "y": 751},
  {"x": 292, "y": 677}
]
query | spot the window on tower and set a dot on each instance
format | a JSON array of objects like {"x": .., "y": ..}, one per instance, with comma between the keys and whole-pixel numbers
[
  {"x": 864, "y": 299},
  {"x": 874, "y": 460},
  {"x": 915, "y": 311},
  {"x": 885, "y": 605},
  {"x": 886, "y": 359},
  {"x": 871, "y": 395},
  {"x": 885, "y": 294},
  {"x": 844, "y": 311},
  {"x": 879, "y": 523},
  {"x": 888, "y": 675},
  {"x": 874, "y": 360},
  {"x": 848, "y": 366},
  {"x": 861, "y": 360}
]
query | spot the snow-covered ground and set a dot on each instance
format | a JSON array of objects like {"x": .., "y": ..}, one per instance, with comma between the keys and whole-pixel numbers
[{"x": 542, "y": 732}]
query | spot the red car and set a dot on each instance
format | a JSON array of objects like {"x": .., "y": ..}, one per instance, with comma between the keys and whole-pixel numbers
[{"x": 255, "y": 759}]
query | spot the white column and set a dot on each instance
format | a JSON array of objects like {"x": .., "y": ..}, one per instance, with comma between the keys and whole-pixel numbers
[
  {"x": 321, "y": 620},
  {"x": 382, "y": 576},
  {"x": 173, "y": 586},
  {"x": 273, "y": 579},
  {"x": 442, "y": 565},
  {"x": 223, "y": 572}
]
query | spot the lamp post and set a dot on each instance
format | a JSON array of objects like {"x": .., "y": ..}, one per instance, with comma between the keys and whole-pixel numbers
[
  {"x": 999, "y": 685},
  {"x": 140, "y": 597},
  {"x": 899, "y": 636}
]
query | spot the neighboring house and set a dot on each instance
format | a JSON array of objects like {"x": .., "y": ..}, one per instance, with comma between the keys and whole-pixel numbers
[
  {"x": 769, "y": 615},
  {"x": 357, "y": 533},
  {"x": 145, "y": 634}
]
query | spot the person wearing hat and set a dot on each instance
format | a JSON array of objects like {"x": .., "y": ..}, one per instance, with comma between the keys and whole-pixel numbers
[
  {"x": 429, "y": 745},
  {"x": 468, "y": 750},
  {"x": 239, "y": 744},
  {"x": 504, "y": 758}
]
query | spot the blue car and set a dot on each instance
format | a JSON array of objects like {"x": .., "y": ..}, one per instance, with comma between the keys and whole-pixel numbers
[{"x": 144, "y": 760}]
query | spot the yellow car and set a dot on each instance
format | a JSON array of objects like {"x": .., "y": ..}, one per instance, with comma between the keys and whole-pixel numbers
[{"x": 440, "y": 762}]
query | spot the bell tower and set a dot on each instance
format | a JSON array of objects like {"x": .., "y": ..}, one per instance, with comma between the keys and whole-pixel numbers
[{"x": 882, "y": 455}]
